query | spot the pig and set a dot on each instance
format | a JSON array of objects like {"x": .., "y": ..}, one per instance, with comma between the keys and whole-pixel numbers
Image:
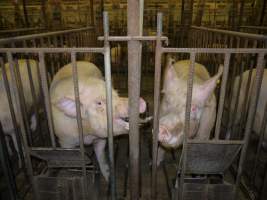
[
  {"x": 5, "y": 116},
  {"x": 261, "y": 102},
  {"x": 93, "y": 110},
  {"x": 172, "y": 108}
]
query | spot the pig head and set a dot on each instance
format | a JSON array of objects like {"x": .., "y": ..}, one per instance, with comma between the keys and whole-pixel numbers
[
  {"x": 92, "y": 93},
  {"x": 173, "y": 104}
]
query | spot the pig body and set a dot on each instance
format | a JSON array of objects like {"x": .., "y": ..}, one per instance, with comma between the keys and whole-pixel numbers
[
  {"x": 261, "y": 101},
  {"x": 173, "y": 104},
  {"x": 5, "y": 115},
  {"x": 92, "y": 94}
]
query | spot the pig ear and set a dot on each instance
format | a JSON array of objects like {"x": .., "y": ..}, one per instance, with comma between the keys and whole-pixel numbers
[
  {"x": 202, "y": 92},
  {"x": 170, "y": 72},
  {"x": 68, "y": 106}
]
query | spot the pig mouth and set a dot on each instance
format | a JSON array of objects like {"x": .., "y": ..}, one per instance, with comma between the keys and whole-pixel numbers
[{"x": 123, "y": 121}]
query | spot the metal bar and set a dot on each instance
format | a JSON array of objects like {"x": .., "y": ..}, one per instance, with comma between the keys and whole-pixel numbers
[
  {"x": 109, "y": 106},
  {"x": 262, "y": 132},
  {"x": 43, "y": 73},
  {"x": 40, "y": 35},
  {"x": 233, "y": 33},
  {"x": 187, "y": 121},
  {"x": 156, "y": 107},
  {"x": 195, "y": 141},
  {"x": 252, "y": 109},
  {"x": 51, "y": 148},
  {"x": 222, "y": 95},
  {"x": 6, "y": 168},
  {"x": 52, "y": 50},
  {"x": 19, "y": 115},
  {"x": 254, "y": 27},
  {"x": 138, "y": 38},
  {"x": 212, "y": 50},
  {"x": 79, "y": 116},
  {"x": 12, "y": 111},
  {"x": 134, "y": 76}
]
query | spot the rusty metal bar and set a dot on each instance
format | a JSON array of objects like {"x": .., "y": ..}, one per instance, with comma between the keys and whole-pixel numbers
[
  {"x": 226, "y": 142},
  {"x": 212, "y": 50},
  {"x": 187, "y": 121},
  {"x": 252, "y": 109},
  {"x": 79, "y": 116},
  {"x": 156, "y": 107},
  {"x": 19, "y": 115},
  {"x": 44, "y": 84},
  {"x": 109, "y": 105},
  {"x": 134, "y": 76},
  {"x": 233, "y": 33},
  {"x": 40, "y": 35},
  {"x": 222, "y": 95}
]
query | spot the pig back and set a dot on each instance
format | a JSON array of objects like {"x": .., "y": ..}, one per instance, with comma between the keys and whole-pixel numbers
[
  {"x": 4, "y": 106},
  {"x": 84, "y": 68}
]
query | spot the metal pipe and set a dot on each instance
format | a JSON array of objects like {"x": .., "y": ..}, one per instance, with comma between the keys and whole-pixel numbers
[
  {"x": 134, "y": 76},
  {"x": 156, "y": 107},
  {"x": 41, "y": 35},
  {"x": 52, "y": 50},
  {"x": 79, "y": 116},
  {"x": 19, "y": 115},
  {"x": 187, "y": 121},
  {"x": 43, "y": 73},
  {"x": 128, "y": 38},
  {"x": 252, "y": 110},
  {"x": 233, "y": 33},
  {"x": 109, "y": 106},
  {"x": 222, "y": 95}
]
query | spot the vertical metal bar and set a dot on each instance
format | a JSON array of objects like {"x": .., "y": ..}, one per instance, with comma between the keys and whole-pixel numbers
[
  {"x": 156, "y": 107},
  {"x": 187, "y": 121},
  {"x": 12, "y": 111},
  {"x": 20, "y": 121},
  {"x": 262, "y": 132},
  {"x": 6, "y": 168},
  {"x": 134, "y": 75},
  {"x": 79, "y": 116},
  {"x": 222, "y": 95},
  {"x": 252, "y": 109},
  {"x": 109, "y": 105},
  {"x": 43, "y": 73}
]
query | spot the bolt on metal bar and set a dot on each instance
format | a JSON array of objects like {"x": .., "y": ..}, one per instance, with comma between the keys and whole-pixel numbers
[
  {"x": 44, "y": 84},
  {"x": 134, "y": 77},
  {"x": 19, "y": 115},
  {"x": 109, "y": 105},
  {"x": 156, "y": 107},
  {"x": 187, "y": 121},
  {"x": 252, "y": 109},
  {"x": 79, "y": 116},
  {"x": 222, "y": 95}
]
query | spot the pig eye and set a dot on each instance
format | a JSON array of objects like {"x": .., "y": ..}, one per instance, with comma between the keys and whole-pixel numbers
[{"x": 99, "y": 103}]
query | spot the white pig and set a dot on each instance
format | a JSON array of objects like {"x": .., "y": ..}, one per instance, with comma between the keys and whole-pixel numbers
[
  {"x": 5, "y": 115},
  {"x": 172, "y": 108},
  {"x": 261, "y": 101},
  {"x": 93, "y": 110}
]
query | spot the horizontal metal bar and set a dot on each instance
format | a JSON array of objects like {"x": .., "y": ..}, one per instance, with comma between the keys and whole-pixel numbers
[
  {"x": 214, "y": 50},
  {"x": 54, "y": 149},
  {"x": 41, "y": 35},
  {"x": 233, "y": 33},
  {"x": 128, "y": 38},
  {"x": 262, "y": 28},
  {"x": 20, "y": 30},
  {"x": 190, "y": 141},
  {"x": 53, "y": 50}
]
